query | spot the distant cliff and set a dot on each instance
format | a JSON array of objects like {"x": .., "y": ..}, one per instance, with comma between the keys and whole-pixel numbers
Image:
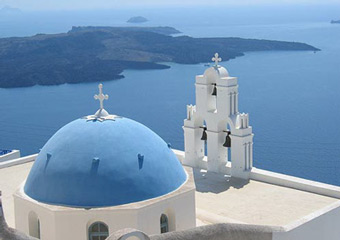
[
  {"x": 87, "y": 54},
  {"x": 160, "y": 30}
]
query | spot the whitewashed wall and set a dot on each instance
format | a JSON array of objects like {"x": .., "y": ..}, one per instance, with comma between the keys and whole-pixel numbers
[
  {"x": 63, "y": 223},
  {"x": 10, "y": 156},
  {"x": 324, "y": 225}
]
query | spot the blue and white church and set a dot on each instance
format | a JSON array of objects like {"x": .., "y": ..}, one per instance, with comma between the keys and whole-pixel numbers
[
  {"x": 90, "y": 177},
  {"x": 104, "y": 173}
]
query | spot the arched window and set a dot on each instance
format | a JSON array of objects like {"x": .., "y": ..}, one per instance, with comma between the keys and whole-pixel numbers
[
  {"x": 164, "y": 224},
  {"x": 98, "y": 231},
  {"x": 38, "y": 229},
  {"x": 33, "y": 225}
]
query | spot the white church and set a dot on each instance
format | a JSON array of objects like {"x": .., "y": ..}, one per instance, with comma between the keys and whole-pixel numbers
[{"x": 92, "y": 182}]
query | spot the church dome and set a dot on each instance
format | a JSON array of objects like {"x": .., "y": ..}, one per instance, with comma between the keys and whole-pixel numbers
[
  {"x": 90, "y": 163},
  {"x": 103, "y": 160}
]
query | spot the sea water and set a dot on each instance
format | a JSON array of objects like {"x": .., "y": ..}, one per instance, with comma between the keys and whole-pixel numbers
[{"x": 293, "y": 98}]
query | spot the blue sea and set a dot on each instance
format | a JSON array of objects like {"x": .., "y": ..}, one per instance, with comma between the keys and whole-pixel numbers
[{"x": 293, "y": 98}]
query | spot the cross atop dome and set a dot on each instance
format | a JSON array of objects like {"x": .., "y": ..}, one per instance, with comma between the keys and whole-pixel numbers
[
  {"x": 216, "y": 59},
  {"x": 101, "y": 114},
  {"x": 101, "y": 97}
]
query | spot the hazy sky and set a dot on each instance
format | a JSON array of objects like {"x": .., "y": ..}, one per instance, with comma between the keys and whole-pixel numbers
[{"x": 102, "y": 4}]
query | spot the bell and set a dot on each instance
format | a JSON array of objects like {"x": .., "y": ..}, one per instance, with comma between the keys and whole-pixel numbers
[
  {"x": 214, "y": 93},
  {"x": 227, "y": 142},
  {"x": 204, "y": 136}
]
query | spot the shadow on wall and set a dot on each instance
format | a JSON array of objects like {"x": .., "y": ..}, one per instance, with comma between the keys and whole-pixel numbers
[{"x": 216, "y": 182}]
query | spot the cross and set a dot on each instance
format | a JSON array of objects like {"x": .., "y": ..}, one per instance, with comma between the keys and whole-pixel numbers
[
  {"x": 101, "y": 97},
  {"x": 216, "y": 59}
]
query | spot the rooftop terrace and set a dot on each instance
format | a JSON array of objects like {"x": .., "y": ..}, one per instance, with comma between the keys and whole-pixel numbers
[{"x": 223, "y": 199}]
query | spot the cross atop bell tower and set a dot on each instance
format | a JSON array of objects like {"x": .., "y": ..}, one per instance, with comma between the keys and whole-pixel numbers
[{"x": 216, "y": 59}]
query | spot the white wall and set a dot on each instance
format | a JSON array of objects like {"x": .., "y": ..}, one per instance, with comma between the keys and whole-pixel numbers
[
  {"x": 322, "y": 227},
  {"x": 295, "y": 182},
  {"x": 181, "y": 213},
  {"x": 63, "y": 223},
  {"x": 74, "y": 224},
  {"x": 22, "y": 210},
  {"x": 17, "y": 161},
  {"x": 9, "y": 156}
]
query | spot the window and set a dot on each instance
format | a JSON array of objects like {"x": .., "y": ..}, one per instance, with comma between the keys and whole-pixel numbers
[
  {"x": 164, "y": 224},
  {"x": 98, "y": 231},
  {"x": 33, "y": 225},
  {"x": 38, "y": 235}
]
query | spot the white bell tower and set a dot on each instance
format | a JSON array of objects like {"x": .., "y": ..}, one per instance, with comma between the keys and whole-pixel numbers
[{"x": 216, "y": 122}]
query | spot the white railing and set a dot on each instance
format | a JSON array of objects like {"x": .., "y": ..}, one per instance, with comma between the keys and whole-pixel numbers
[{"x": 18, "y": 161}]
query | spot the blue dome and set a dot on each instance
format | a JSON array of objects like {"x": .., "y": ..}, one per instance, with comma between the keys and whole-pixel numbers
[{"x": 97, "y": 164}]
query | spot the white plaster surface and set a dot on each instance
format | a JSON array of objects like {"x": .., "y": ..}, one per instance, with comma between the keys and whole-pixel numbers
[
  {"x": 18, "y": 161},
  {"x": 66, "y": 223},
  {"x": 252, "y": 202},
  {"x": 10, "y": 179},
  {"x": 320, "y": 225},
  {"x": 9, "y": 156}
]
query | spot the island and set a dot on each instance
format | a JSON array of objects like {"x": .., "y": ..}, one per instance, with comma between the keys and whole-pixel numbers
[
  {"x": 335, "y": 21},
  {"x": 138, "y": 19},
  {"x": 9, "y": 10},
  {"x": 88, "y": 54}
]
